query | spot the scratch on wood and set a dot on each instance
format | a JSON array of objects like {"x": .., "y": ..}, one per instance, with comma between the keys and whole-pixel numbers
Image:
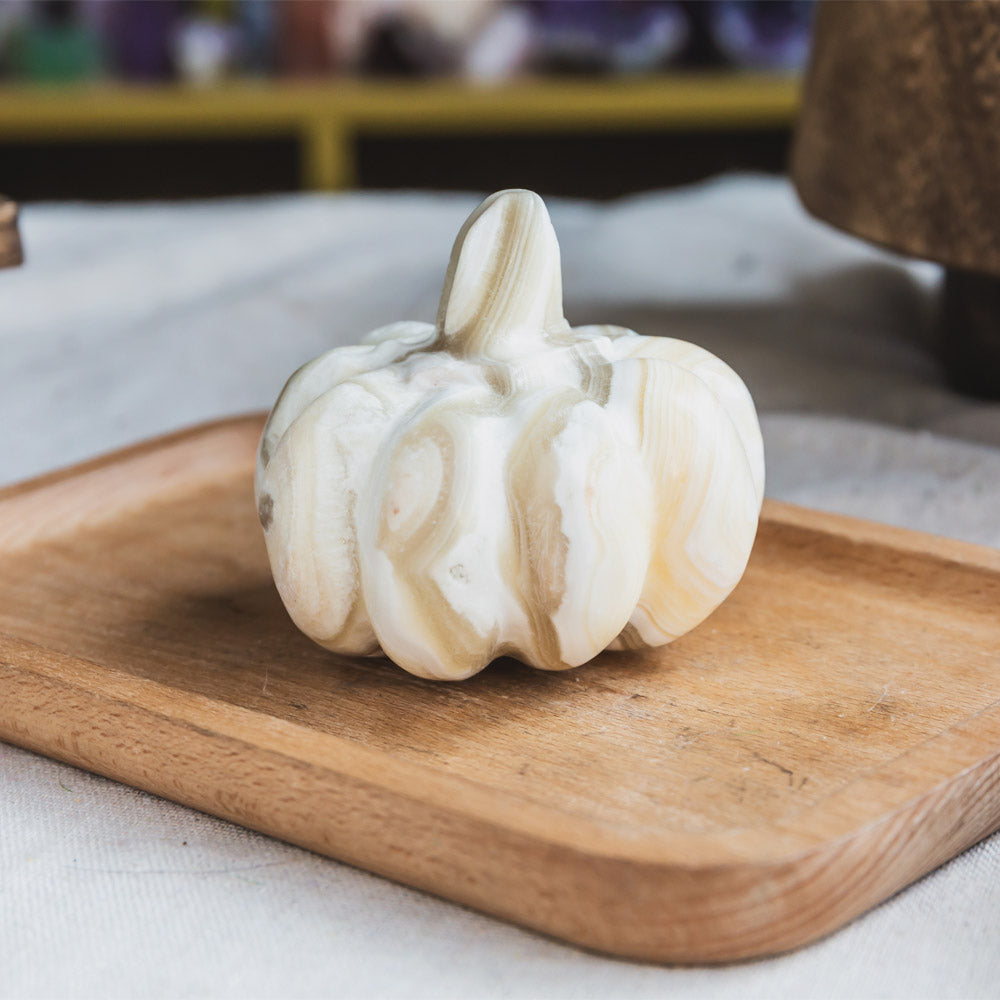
[
  {"x": 881, "y": 701},
  {"x": 780, "y": 767}
]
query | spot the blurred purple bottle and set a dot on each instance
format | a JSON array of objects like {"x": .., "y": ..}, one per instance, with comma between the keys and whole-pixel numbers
[
  {"x": 607, "y": 36},
  {"x": 762, "y": 34},
  {"x": 140, "y": 34}
]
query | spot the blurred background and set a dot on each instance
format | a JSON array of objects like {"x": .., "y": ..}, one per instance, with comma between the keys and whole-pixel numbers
[{"x": 146, "y": 99}]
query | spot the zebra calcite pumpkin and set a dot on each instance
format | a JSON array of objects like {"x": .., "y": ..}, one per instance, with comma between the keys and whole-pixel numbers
[{"x": 499, "y": 483}]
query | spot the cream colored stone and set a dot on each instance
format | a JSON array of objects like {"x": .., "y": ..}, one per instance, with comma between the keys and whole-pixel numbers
[{"x": 503, "y": 484}]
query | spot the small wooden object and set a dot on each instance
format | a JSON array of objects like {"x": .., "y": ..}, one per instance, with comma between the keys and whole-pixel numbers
[
  {"x": 827, "y": 736},
  {"x": 11, "y": 254}
]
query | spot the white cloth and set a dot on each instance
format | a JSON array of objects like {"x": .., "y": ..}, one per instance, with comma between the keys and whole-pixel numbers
[{"x": 131, "y": 321}]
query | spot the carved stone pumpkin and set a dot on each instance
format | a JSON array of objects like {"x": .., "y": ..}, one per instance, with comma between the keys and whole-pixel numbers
[{"x": 500, "y": 483}]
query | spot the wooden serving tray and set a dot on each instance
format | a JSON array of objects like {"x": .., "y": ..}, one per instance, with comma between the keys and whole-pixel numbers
[{"x": 831, "y": 733}]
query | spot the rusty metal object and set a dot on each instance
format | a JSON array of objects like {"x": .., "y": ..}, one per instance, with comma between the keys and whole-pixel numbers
[{"x": 898, "y": 142}]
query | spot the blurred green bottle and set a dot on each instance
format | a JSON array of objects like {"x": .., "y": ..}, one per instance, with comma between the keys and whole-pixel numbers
[{"x": 54, "y": 44}]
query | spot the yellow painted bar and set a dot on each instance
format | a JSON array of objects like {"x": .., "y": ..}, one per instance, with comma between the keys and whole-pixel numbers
[
  {"x": 326, "y": 116},
  {"x": 327, "y": 160},
  {"x": 724, "y": 100}
]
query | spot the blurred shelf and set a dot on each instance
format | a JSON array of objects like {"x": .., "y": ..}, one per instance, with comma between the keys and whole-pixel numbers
[{"x": 326, "y": 117}]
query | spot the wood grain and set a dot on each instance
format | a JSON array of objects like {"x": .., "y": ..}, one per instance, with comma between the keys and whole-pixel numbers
[
  {"x": 10, "y": 240},
  {"x": 831, "y": 733},
  {"x": 898, "y": 139}
]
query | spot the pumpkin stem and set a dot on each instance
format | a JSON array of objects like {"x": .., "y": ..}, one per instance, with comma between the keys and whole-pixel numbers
[{"x": 503, "y": 290}]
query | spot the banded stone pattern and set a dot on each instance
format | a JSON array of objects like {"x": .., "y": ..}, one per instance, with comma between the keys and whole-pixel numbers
[{"x": 499, "y": 483}]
